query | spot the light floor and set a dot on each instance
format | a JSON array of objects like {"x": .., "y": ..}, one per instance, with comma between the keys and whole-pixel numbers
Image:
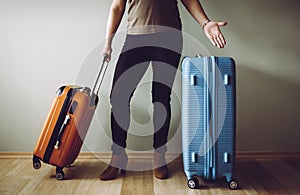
[{"x": 255, "y": 176}]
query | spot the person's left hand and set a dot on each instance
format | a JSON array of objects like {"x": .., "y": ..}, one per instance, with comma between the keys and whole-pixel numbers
[{"x": 213, "y": 33}]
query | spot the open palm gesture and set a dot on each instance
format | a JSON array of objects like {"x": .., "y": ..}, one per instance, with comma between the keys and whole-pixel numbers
[{"x": 213, "y": 33}]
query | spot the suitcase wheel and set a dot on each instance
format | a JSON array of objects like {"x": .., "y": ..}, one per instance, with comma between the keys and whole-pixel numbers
[
  {"x": 193, "y": 183},
  {"x": 36, "y": 163},
  {"x": 59, "y": 174},
  {"x": 233, "y": 184}
]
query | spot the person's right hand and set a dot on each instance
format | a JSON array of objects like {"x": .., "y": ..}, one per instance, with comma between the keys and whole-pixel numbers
[{"x": 107, "y": 50}]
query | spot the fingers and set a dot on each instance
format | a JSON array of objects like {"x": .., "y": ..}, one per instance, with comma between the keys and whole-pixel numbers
[
  {"x": 214, "y": 34},
  {"x": 218, "y": 41},
  {"x": 223, "y": 41},
  {"x": 106, "y": 53},
  {"x": 106, "y": 57},
  {"x": 222, "y": 23},
  {"x": 212, "y": 40}
]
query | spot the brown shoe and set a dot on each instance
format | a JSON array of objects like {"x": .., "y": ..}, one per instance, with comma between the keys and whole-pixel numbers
[
  {"x": 117, "y": 162},
  {"x": 161, "y": 172},
  {"x": 161, "y": 168}
]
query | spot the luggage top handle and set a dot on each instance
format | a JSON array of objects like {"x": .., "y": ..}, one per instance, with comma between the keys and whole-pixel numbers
[{"x": 103, "y": 68}]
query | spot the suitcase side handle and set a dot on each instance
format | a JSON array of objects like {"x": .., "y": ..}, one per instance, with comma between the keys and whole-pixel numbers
[{"x": 62, "y": 129}]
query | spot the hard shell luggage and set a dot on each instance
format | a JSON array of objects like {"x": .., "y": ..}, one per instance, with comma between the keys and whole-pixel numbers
[
  {"x": 66, "y": 125},
  {"x": 208, "y": 119}
]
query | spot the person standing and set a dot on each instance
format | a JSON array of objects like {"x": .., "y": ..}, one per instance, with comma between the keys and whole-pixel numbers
[{"x": 153, "y": 35}]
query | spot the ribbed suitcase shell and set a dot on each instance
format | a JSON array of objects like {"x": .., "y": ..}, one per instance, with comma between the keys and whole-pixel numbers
[
  {"x": 208, "y": 117},
  {"x": 75, "y": 103}
]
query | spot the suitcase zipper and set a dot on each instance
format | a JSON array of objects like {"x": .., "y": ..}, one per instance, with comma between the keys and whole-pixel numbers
[
  {"x": 207, "y": 102},
  {"x": 214, "y": 120},
  {"x": 211, "y": 120}
]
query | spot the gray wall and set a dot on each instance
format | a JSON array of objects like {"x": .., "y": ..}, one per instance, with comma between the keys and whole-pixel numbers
[{"x": 44, "y": 44}]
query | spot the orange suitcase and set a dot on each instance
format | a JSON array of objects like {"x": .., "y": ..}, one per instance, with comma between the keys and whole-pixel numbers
[{"x": 66, "y": 125}]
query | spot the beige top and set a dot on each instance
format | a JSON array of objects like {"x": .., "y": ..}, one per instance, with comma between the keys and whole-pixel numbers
[{"x": 149, "y": 16}]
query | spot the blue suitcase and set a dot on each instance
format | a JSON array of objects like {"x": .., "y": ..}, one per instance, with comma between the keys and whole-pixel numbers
[{"x": 208, "y": 119}]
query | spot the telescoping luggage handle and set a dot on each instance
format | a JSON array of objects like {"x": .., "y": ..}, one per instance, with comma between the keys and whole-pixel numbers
[{"x": 102, "y": 71}]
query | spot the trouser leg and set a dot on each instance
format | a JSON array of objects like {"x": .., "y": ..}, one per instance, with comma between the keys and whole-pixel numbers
[
  {"x": 164, "y": 72},
  {"x": 129, "y": 70}
]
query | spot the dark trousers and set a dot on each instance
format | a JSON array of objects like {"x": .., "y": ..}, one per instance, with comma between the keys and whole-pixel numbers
[{"x": 163, "y": 50}]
